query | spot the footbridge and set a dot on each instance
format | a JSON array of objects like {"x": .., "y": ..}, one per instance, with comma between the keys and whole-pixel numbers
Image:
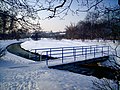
[{"x": 62, "y": 55}]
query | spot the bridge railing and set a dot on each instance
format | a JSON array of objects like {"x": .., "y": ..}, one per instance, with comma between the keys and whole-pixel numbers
[{"x": 84, "y": 51}]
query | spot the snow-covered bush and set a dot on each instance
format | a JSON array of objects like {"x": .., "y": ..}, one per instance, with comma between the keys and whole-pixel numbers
[
  {"x": 104, "y": 84},
  {"x": 115, "y": 50}
]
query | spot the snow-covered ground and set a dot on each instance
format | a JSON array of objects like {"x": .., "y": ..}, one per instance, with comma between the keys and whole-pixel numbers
[
  {"x": 52, "y": 43},
  {"x": 17, "y": 73}
]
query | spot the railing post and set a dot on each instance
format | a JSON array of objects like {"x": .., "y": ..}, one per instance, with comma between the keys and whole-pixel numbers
[
  {"x": 102, "y": 51},
  {"x": 82, "y": 50},
  {"x": 39, "y": 57},
  {"x": 108, "y": 50},
  {"x": 35, "y": 54},
  {"x": 90, "y": 49},
  {"x": 74, "y": 53},
  {"x": 62, "y": 55},
  {"x": 50, "y": 52},
  {"x": 47, "y": 58},
  {"x": 94, "y": 52},
  {"x": 85, "y": 53}
]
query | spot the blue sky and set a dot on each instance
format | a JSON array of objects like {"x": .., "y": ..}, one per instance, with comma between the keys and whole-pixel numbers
[{"x": 57, "y": 24}]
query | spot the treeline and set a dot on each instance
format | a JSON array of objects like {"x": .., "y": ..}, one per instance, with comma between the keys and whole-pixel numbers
[
  {"x": 106, "y": 26},
  {"x": 87, "y": 30},
  {"x": 37, "y": 35}
]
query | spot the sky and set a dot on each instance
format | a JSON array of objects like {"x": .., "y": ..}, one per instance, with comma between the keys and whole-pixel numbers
[{"x": 57, "y": 24}]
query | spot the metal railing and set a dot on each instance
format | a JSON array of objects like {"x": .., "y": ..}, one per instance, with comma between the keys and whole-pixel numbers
[{"x": 84, "y": 51}]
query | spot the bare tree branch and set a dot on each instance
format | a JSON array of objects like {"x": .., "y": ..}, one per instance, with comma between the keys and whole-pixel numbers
[{"x": 89, "y": 8}]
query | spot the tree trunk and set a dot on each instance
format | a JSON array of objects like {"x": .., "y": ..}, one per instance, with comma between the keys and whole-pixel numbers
[
  {"x": 3, "y": 25},
  {"x": 11, "y": 23}
]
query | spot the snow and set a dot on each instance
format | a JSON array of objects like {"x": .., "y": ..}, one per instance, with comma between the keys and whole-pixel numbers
[
  {"x": 5, "y": 43},
  {"x": 52, "y": 43},
  {"x": 17, "y": 73},
  {"x": 30, "y": 75}
]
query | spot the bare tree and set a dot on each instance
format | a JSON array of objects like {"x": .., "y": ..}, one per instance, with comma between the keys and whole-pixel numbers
[
  {"x": 72, "y": 32},
  {"x": 112, "y": 15},
  {"x": 26, "y": 9}
]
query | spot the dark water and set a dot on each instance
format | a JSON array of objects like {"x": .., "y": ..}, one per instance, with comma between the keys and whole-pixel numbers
[
  {"x": 91, "y": 69},
  {"x": 17, "y": 50},
  {"x": 97, "y": 71}
]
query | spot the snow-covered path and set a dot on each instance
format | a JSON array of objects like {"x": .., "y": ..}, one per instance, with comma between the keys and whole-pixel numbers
[{"x": 30, "y": 75}]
